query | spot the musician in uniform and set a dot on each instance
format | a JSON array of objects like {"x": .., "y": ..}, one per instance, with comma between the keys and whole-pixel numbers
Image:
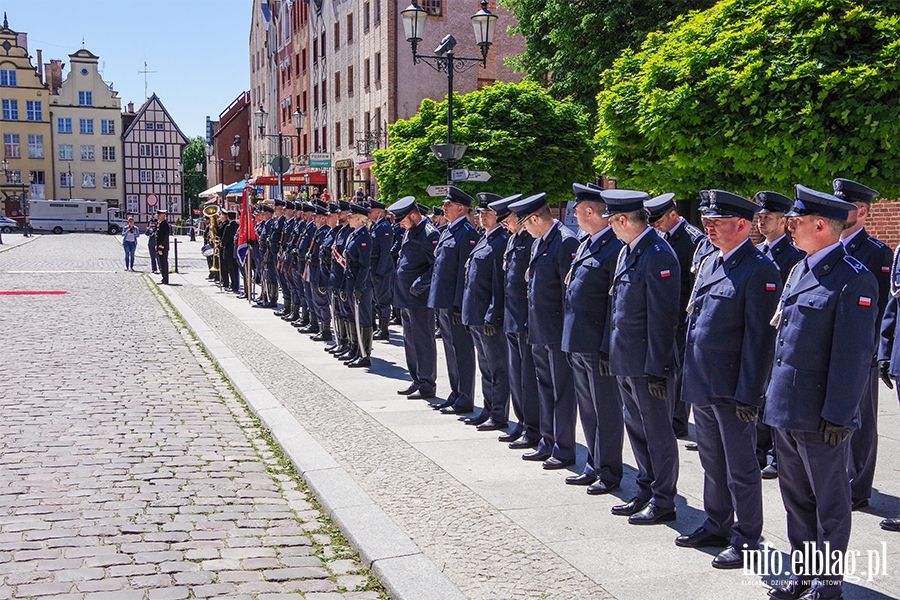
[{"x": 229, "y": 262}]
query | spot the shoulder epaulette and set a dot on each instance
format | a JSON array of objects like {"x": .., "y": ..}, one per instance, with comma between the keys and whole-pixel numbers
[
  {"x": 878, "y": 243},
  {"x": 855, "y": 264}
]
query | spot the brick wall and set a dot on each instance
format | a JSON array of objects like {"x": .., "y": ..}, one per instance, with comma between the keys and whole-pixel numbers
[{"x": 884, "y": 222}]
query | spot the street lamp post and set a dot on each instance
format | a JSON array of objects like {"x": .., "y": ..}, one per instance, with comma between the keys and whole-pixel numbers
[
  {"x": 235, "y": 150},
  {"x": 280, "y": 164},
  {"x": 445, "y": 60}
]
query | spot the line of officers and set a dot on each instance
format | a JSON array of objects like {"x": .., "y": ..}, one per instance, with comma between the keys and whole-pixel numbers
[{"x": 777, "y": 347}]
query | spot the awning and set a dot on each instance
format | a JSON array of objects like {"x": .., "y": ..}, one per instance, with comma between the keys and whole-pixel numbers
[
  {"x": 213, "y": 191},
  {"x": 315, "y": 178},
  {"x": 365, "y": 165}
]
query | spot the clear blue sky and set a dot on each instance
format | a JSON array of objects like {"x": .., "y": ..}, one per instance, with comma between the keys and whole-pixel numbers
[{"x": 200, "y": 48}]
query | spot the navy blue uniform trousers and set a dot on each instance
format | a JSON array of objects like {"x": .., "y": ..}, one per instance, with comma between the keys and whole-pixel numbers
[
  {"x": 600, "y": 407},
  {"x": 420, "y": 347},
  {"x": 523, "y": 385},
  {"x": 492, "y": 362},
  {"x": 864, "y": 442},
  {"x": 556, "y": 397},
  {"x": 459, "y": 350}
]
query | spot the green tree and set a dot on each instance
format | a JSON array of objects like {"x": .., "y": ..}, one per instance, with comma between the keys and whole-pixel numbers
[
  {"x": 525, "y": 139},
  {"x": 569, "y": 44},
  {"x": 194, "y": 180},
  {"x": 753, "y": 95}
]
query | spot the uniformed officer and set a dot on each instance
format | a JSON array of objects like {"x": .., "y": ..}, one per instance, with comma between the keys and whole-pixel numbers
[
  {"x": 645, "y": 294},
  {"x": 358, "y": 284},
  {"x": 265, "y": 228},
  {"x": 319, "y": 279},
  {"x": 889, "y": 350},
  {"x": 876, "y": 256},
  {"x": 230, "y": 263},
  {"x": 399, "y": 232},
  {"x": 704, "y": 246},
  {"x": 275, "y": 232},
  {"x": 586, "y": 338},
  {"x": 684, "y": 238},
  {"x": 445, "y": 296},
  {"x": 382, "y": 268},
  {"x": 412, "y": 285},
  {"x": 340, "y": 311},
  {"x": 482, "y": 313},
  {"x": 222, "y": 275},
  {"x": 825, "y": 340},
  {"x": 310, "y": 273},
  {"x": 309, "y": 322},
  {"x": 728, "y": 356},
  {"x": 777, "y": 247},
  {"x": 552, "y": 252},
  {"x": 286, "y": 263},
  {"x": 438, "y": 219},
  {"x": 163, "y": 231},
  {"x": 293, "y": 268}
]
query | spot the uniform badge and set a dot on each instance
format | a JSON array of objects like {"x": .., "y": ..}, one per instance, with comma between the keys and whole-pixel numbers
[
  {"x": 363, "y": 245},
  {"x": 771, "y": 287},
  {"x": 864, "y": 301},
  {"x": 471, "y": 242},
  {"x": 885, "y": 269},
  {"x": 573, "y": 256},
  {"x": 666, "y": 273}
]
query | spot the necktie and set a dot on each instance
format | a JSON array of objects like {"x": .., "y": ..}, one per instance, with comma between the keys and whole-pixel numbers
[
  {"x": 666, "y": 236},
  {"x": 623, "y": 254},
  {"x": 805, "y": 268},
  {"x": 719, "y": 262},
  {"x": 767, "y": 250}
]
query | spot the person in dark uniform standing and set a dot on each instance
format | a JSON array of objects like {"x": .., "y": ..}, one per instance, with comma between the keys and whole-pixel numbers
[
  {"x": 229, "y": 262},
  {"x": 729, "y": 350},
  {"x": 412, "y": 285},
  {"x": 684, "y": 238},
  {"x": 398, "y": 232},
  {"x": 341, "y": 315},
  {"x": 645, "y": 293},
  {"x": 317, "y": 287},
  {"x": 151, "y": 246},
  {"x": 889, "y": 350},
  {"x": 777, "y": 247},
  {"x": 586, "y": 338},
  {"x": 265, "y": 227},
  {"x": 305, "y": 318},
  {"x": 358, "y": 284},
  {"x": 163, "y": 231},
  {"x": 445, "y": 296},
  {"x": 876, "y": 255},
  {"x": 294, "y": 263},
  {"x": 281, "y": 236},
  {"x": 482, "y": 313},
  {"x": 382, "y": 268},
  {"x": 552, "y": 251},
  {"x": 825, "y": 330},
  {"x": 275, "y": 232}
]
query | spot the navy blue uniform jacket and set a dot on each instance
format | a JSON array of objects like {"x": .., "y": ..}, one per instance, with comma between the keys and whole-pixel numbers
[
  {"x": 889, "y": 345},
  {"x": 415, "y": 268},
  {"x": 515, "y": 265},
  {"x": 382, "y": 240},
  {"x": 358, "y": 254},
  {"x": 684, "y": 242},
  {"x": 551, "y": 259},
  {"x": 453, "y": 248},
  {"x": 785, "y": 255},
  {"x": 483, "y": 296}
]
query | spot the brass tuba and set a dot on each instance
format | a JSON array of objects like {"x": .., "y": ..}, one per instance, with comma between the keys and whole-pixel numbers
[{"x": 211, "y": 211}]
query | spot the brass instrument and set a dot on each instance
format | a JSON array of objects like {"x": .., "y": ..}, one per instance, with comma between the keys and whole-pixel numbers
[{"x": 211, "y": 211}]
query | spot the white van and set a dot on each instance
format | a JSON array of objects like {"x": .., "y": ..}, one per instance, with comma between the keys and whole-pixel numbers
[{"x": 73, "y": 215}]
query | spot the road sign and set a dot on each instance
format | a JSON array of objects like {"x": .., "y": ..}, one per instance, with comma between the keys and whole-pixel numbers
[
  {"x": 152, "y": 199},
  {"x": 436, "y": 191},
  {"x": 478, "y": 176},
  {"x": 280, "y": 164},
  {"x": 320, "y": 160},
  {"x": 459, "y": 174}
]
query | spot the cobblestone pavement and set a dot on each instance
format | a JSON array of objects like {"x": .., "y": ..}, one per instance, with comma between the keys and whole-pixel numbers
[{"x": 128, "y": 467}]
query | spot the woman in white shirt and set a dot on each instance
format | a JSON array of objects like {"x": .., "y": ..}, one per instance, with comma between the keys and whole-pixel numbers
[{"x": 130, "y": 236}]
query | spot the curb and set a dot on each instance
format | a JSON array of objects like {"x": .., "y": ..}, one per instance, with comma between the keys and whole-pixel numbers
[
  {"x": 399, "y": 564},
  {"x": 7, "y": 248}
]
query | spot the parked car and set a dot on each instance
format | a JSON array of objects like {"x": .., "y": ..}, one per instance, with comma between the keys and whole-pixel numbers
[{"x": 8, "y": 225}]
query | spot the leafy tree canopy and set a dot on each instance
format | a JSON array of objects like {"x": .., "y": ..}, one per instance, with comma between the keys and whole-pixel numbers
[
  {"x": 194, "y": 180},
  {"x": 525, "y": 139},
  {"x": 753, "y": 95},
  {"x": 569, "y": 44}
]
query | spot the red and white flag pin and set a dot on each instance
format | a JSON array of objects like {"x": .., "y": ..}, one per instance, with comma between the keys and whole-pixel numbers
[
  {"x": 864, "y": 301},
  {"x": 885, "y": 269},
  {"x": 666, "y": 273},
  {"x": 771, "y": 287}
]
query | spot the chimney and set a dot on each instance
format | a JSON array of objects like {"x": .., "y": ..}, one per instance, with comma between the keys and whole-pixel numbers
[
  {"x": 53, "y": 73},
  {"x": 131, "y": 107},
  {"x": 40, "y": 65}
]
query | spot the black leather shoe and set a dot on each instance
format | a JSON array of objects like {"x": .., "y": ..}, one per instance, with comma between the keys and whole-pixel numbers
[
  {"x": 600, "y": 487},
  {"x": 511, "y": 436},
  {"x": 635, "y": 505},
  {"x": 474, "y": 420},
  {"x": 382, "y": 336},
  {"x": 792, "y": 591},
  {"x": 890, "y": 524},
  {"x": 729, "y": 558},
  {"x": 652, "y": 514},
  {"x": 408, "y": 390},
  {"x": 702, "y": 538},
  {"x": 553, "y": 463},
  {"x": 453, "y": 410},
  {"x": 681, "y": 433},
  {"x": 420, "y": 395},
  {"x": 859, "y": 504},
  {"x": 441, "y": 405},
  {"x": 492, "y": 425},
  {"x": 583, "y": 479},
  {"x": 691, "y": 446},
  {"x": 769, "y": 472},
  {"x": 830, "y": 592},
  {"x": 523, "y": 443},
  {"x": 536, "y": 456},
  {"x": 361, "y": 362}
]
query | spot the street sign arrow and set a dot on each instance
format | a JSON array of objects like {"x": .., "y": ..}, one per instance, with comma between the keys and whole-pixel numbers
[
  {"x": 478, "y": 176},
  {"x": 459, "y": 175},
  {"x": 436, "y": 191}
]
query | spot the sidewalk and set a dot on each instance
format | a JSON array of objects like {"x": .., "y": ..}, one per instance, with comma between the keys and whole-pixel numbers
[{"x": 497, "y": 526}]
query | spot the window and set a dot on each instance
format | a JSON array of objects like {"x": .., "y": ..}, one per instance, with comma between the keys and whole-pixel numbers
[
  {"x": 303, "y": 59},
  {"x": 109, "y": 152},
  {"x": 377, "y": 67},
  {"x": 10, "y": 110},
  {"x": 8, "y": 77},
  {"x": 11, "y": 145},
  {"x": 87, "y": 153},
  {"x": 366, "y": 73},
  {"x": 350, "y": 80},
  {"x": 159, "y": 150},
  {"x": 324, "y": 93},
  {"x": 325, "y": 139},
  {"x": 337, "y": 84},
  {"x": 33, "y": 110},
  {"x": 132, "y": 204},
  {"x": 13, "y": 176},
  {"x": 366, "y": 17},
  {"x": 159, "y": 176},
  {"x": 108, "y": 127},
  {"x": 149, "y": 126},
  {"x": 36, "y": 177},
  {"x": 85, "y": 98},
  {"x": 88, "y": 180},
  {"x": 323, "y": 45},
  {"x": 109, "y": 180},
  {"x": 65, "y": 152},
  {"x": 315, "y": 96},
  {"x": 160, "y": 126},
  {"x": 63, "y": 125},
  {"x": 350, "y": 132},
  {"x": 144, "y": 150},
  {"x": 146, "y": 177},
  {"x": 65, "y": 180},
  {"x": 377, "y": 12},
  {"x": 315, "y": 52},
  {"x": 337, "y": 35},
  {"x": 337, "y": 135},
  {"x": 35, "y": 146},
  {"x": 433, "y": 7},
  {"x": 86, "y": 125},
  {"x": 349, "y": 28}
]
